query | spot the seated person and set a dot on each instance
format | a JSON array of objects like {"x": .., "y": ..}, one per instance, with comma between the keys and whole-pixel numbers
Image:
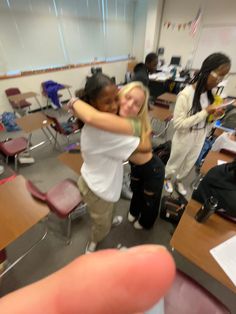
[
  {"x": 225, "y": 141},
  {"x": 219, "y": 182},
  {"x": 142, "y": 70}
]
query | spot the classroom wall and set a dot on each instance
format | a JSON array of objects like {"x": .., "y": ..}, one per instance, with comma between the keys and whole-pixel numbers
[
  {"x": 147, "y": 24},
  {"x": 73, "y": 77},
  {"x": 180, "y": 42},
  {"x": 140, "y": 18}
]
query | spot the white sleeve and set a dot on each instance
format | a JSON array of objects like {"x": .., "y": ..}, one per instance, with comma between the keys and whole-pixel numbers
[{"x": 182, "y": 120}]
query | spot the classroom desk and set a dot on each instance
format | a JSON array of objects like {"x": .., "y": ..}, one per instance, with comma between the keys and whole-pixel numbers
[
  {"x": 72, "y": 160},
  {"x": 160, "y": 113},
  {"x": 193, "y": 240},
  {"x": 33, "y": 122},
  {"x": 167, "y": 98},
  {"x": 18, "y": 213},
  {"x": 212, "y": 159},
  {"x": 23, "y": 96}
]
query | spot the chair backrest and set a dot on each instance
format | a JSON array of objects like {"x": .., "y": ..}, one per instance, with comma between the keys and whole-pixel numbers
[
  {"x": 56, "y": 125},
  {"x": 12, "y": 91},
  {"x": 15, "y": 91},
  {"x": 35, "y": 192},
  {"x": 187, "y": 296}
]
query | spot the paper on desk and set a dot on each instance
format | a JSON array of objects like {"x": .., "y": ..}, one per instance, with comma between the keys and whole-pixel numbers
[
  {"x": 225, "y": 256},
  {"x": 220, "y": 162}
]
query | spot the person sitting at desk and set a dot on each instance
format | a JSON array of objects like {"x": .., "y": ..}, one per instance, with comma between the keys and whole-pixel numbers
[
  {"x": 219, "y": 182},
  {"x": 142, "y": 70}
]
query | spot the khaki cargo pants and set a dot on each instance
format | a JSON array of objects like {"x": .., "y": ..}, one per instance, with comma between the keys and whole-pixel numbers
[{"x": 101, "y": 212}]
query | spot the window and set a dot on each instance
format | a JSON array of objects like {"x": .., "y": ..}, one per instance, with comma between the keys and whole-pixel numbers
[{"x": 49, "y": 33}]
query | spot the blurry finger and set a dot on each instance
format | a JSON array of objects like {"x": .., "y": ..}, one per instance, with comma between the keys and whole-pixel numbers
[{"x": 108, "y": 281}]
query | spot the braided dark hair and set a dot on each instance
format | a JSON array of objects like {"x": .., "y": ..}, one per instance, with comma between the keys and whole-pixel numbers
[
  {"x": 211, "y": 63},
  {"x": 93, "y": 87}
]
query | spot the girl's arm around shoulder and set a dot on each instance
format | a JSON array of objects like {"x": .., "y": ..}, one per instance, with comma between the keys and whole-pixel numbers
[{"x": 103, "y": 120}]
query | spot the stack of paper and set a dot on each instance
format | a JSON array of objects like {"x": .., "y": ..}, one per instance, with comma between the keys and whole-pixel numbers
[{"x": 225, "y": 256}]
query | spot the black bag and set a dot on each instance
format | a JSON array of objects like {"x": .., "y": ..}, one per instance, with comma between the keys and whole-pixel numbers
[
  {"x": 163, "y": 151},
  {"x": 172, "y": 208}
]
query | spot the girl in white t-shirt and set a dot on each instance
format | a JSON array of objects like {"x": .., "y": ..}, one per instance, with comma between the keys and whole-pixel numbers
[
  {"x": 192, "y": 108},
  {"x": 104, "y": 152}
]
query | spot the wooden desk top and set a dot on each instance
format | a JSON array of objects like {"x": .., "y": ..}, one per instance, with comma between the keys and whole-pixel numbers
[
  {"x": 22, "y": 96},
  {"x": 160, "y": 113},
  {"x": 33, "y": 121},
  {"x": 72, "y": 160},
  {"x": 168, "y": 97},
  {"x": 194, "y": 240},
  {"x": 212, "y": 159},
  {"x": 18, "y": 210}
]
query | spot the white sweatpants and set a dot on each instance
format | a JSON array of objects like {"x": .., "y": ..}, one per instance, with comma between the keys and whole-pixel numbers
[{"x": 185, "y": 150}]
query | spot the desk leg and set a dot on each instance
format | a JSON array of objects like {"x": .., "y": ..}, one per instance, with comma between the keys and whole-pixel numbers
[
  {"x": 38, "y": 102},
  {"x": 25, "y": 254},
  {"x": 69, "y": 92}
]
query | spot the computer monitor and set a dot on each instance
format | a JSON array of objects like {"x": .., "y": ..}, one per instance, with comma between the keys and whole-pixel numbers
[{"x": 175, "y": 61}]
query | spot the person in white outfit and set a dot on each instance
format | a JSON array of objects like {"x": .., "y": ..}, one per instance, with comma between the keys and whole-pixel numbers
[{"x": 193, "y": 106}]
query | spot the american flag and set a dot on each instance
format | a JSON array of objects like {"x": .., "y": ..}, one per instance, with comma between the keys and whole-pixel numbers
[{"x": 195, "y": 23}]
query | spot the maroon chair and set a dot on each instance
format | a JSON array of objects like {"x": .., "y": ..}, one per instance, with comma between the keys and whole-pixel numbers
[
  {"x": 63, "y": 199},
  {"x": 23, "y": 104},
  {"x": 14, "y": 147},
  {"x": 59, "y": 129},
  {"x": 187, "y": 296}
]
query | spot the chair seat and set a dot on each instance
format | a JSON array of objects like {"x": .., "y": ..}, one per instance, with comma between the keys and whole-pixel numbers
[
  {"x": 14, "y": 146},
  {"x": 187, "y": 296},
  {"x": 21, "y": 104},
  {"x": 63, "y": 198}
]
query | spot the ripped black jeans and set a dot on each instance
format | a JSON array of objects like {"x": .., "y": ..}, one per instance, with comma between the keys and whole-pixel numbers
[{"x": 146, "y": 184}]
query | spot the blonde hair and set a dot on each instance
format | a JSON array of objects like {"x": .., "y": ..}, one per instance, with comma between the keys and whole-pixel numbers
[{"x": 143, "y": 113}]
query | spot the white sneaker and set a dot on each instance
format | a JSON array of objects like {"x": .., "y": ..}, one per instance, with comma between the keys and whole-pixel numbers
[
  {"x": 168, "y": 186},
  {"x": 117, "y": 220},
  {"x": 180, "y": 188},
  {"x": 137, "y": 225},
  {"x": 121, "y": 247},
  {"x": 90, "y": 247},
  {"x": 131, "y": 218},
  {"x": 1, "y": 169}
]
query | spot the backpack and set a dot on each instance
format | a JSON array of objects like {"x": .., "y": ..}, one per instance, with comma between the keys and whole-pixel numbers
[
  {"x": 8, "y": 120},
  {"x": 163, "y": 151},
  {"x": 229, "y": 120},
  {"x": 172, "y": 208}
]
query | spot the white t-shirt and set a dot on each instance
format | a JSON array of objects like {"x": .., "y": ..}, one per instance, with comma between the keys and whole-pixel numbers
[
  {"x": 224, "y": 142},
  {"x": 103, "y": 153}
]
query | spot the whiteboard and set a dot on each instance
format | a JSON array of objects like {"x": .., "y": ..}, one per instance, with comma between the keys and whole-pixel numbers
[{"x": 216, "y": 39}]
